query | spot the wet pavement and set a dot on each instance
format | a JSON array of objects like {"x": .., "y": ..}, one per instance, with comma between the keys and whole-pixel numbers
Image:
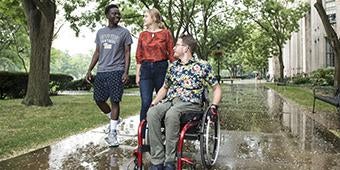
[{"x": 260, "y": 130}]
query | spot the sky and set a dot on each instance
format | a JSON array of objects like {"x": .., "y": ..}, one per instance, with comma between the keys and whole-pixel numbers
[
  {"x": 84, "y": 44},
  {"x": 68, "y": 42}
]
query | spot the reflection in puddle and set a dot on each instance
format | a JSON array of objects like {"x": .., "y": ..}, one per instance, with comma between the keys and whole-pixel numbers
[
  {"x": 84, "y": 151},
  {"x": 260, "y": 131},
  {"x": 271, "y": 133}
]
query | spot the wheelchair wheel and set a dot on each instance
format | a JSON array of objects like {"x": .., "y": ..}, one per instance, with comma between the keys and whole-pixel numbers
[{"x": 210, "y": 139}]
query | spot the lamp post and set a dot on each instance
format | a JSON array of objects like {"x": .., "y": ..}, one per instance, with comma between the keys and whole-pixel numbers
[{"x": 218, "y": 54}]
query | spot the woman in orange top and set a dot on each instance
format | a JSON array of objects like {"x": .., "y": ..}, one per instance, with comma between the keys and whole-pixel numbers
[{"x": 154, "y": 50}]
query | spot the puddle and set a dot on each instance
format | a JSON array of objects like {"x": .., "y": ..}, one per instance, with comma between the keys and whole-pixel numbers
[{"x": 260, "y": 130}]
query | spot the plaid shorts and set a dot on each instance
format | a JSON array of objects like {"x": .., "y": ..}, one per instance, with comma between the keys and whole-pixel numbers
[{"x": 108, "y": 84}]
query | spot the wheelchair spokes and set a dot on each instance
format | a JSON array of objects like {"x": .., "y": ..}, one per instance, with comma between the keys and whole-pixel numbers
[
  {"x": 205, "y": 128},
  {"x": 210, "y": 140}
]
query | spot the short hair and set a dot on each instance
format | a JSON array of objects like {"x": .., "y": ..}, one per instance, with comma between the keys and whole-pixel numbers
[
  {"x": 189, "y": 40},
  {"x": 107, "y": 8}
]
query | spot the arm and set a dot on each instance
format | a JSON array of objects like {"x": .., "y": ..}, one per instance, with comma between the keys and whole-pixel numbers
[
  {"x": 217, "y": 94},
  {"x": 94, "y": 61},
  {"x": 160, "y": 95},
  {"x": 170, "y": 47},
  {"x": 138, "y": 74},
  {"x": 139, "y": 56},
  {"x": 125, "y": 77}
]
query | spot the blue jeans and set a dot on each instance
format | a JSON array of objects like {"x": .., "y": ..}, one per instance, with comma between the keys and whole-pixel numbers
[{"x": 151, "y": 78}]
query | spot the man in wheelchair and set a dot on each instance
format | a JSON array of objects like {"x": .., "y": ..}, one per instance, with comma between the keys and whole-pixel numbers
[{"x": 182, "y": 92}]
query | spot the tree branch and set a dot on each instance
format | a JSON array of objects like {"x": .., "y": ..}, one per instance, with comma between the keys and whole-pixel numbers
[{"x": 325, "y": 21}]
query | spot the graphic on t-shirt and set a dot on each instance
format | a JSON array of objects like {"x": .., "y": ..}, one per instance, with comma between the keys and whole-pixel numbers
[
  {"x": 107, "y": 46},
  {"x": 109, "y": 39}
]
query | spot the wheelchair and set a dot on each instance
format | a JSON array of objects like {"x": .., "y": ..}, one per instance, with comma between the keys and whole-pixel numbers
[{"x": 203, "y": 126}]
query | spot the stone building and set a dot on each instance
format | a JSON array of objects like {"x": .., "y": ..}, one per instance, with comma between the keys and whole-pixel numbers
[{"x": 308, "y": 49}]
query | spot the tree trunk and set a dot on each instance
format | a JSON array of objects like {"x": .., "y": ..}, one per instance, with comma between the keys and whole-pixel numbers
[
  {"x": 40, "y": 16},
  {"x": 281, "y": 69},
  {"x": 333, "y": 37},
  {"x": 337, "y": 69}
]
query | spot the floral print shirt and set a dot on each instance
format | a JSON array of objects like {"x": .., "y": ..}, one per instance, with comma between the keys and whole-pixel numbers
[{"x": 187, "y": 81}]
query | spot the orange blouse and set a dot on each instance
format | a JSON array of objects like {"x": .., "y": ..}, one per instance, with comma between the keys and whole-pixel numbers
[{"x": 155, "y": 46}]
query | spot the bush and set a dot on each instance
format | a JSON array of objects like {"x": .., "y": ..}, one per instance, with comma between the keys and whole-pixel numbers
[
  {"x": 132, "y": 82},
  {"x": 58, "y": 82},
  {"x": 323, "y": 77},
  {"x": 81, "y": 84},
  {"x": 301, "y": 79},
  {"x": 14, "y": 84}
]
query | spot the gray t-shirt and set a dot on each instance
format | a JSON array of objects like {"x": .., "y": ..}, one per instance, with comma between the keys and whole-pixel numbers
[{"x": 112, "y": 44}]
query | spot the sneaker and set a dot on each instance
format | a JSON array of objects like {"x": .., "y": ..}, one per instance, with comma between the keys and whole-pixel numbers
[
  {"x": 108, "y": 128},
  {"x": 112, "y": 140}
]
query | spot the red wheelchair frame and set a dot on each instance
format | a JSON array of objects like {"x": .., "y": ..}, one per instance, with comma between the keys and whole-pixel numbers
[{"x": 193, "y": 127}]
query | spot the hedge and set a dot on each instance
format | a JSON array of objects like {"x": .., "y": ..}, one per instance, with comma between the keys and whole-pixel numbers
[{"x": 14, "y": 84}]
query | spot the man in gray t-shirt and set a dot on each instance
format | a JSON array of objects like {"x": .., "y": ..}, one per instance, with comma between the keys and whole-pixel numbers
[{"x": 113, "y": 45}]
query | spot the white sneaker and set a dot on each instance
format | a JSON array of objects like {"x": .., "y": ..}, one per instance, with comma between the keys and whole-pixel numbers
[
  {"x": 112, "y": 140},
  {"x": 108, "y": 129}
]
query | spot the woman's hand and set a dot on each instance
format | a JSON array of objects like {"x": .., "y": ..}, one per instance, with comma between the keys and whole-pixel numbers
[{"x": 137, "y": 79}]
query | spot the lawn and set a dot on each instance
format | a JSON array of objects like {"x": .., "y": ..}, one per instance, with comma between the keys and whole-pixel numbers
[
  {"x": 27, "y": 128},
  {"x": 302, "y": 96}
]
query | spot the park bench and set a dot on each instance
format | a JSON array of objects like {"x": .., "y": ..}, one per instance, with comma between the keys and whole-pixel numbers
[
  {"x": 223, "y": 79},
  {"x": 332, "y": 98}
]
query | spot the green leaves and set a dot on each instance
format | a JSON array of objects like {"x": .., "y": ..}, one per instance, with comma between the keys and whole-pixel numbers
[
  {"x": 76, "y": 66},
  {"x": 277, "y": 18},
  {"x": 14, "y": 42}
]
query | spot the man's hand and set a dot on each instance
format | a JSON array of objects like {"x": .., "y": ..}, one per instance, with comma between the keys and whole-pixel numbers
[
  {"x": 214, "y": 109},
  {"x": 213, "y": 113},
  {"x": 125, "y": 78},
  {"x": 88, "y": 77}
]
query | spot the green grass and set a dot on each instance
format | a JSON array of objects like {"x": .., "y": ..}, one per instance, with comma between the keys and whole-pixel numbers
[
  {"x": 26, "y": 128},
  {"x": 302, "y": 96}
]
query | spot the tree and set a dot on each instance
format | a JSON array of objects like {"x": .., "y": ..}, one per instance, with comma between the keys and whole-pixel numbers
[
  {"x": 16, "y": 52},
  {"x": 231, "y": 38},
  {"x": 278, "y": 18},
  {"x": 255, "y": 50},
  {"x": 63, "y": 63},
  {"x": 333, "y": 37},
  {"x": 192, "y": 16},
  {"x": 14, "y": 43},
  {"x": 40, "y": 16}
]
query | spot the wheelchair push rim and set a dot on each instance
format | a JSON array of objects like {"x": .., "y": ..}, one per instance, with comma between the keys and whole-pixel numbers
[{"x": 210, "y": 140}]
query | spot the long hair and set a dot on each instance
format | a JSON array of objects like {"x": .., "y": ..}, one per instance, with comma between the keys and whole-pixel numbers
[{"x": 156, "y": 15}]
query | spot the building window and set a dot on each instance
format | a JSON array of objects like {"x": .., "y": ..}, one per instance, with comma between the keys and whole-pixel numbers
[
  {"x": 330, "y": 8},
  {"x": 330, "y": 60},
  {"x": 332, "y": 18}
]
